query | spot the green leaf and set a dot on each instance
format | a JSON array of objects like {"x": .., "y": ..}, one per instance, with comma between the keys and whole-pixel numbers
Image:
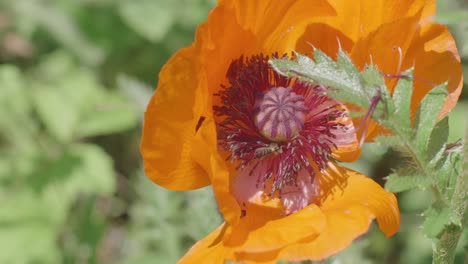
[
  {"x": 82, "y": 169},
  {"x": 87, "y": 225},
  {"x": 56, "y": 66},
  {"x": 60, "y": 26},
  {"x": 114, "y": 114},
  {"x": 96, "y": 172},
  {"x": 345, "y": 86},
  {"x": 321, "y": 59},
  {"x": 448, "y": 168},
  {"x": 17, "y": 126},
  {"x": 438, "y": 140},
  {"x": 137, "y": 91},
  {"x": 194, "y": 11},
  {"x": 291, "y": 68},
  {"x": 427, "y": 114},
  {"x": 13, "y": 93},
  {"x": 151, "y": 19},
  {"x": 374, "y": 84},
  {"x": 458, "y": 120},
  {"x": 158, "y": 218},
  {"x": 437, "y": 217},
  {"x": 357, "y": 251},
  {"x": 372, "y": 77},
  {"x": 452, "y": 17},
  {"x": 61, "y": 93},
  {"x": 28, "y": 243},
  {"x": 391, "y": 141},
  {"x": 38, "y": 211},
  {"x": 58, "y": 115},
  {"x": 72, "y": 104},
  {"x": 25, "y": 204},
  {"x": 199, "y": 202},
  {"x": 402, "y": 100},
  {"x": 345, "y": 62},
  {"x": 23, "y": 222},
  {"x": 396, "y": 183}
]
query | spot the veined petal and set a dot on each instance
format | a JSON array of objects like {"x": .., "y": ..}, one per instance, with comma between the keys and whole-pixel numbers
[
  {"x": 436, "y": 60},
  {"x": 268, "y": 257},
  {"x": 342, "y": 227},
  {"x": 329, "y": 41},
  {"x": 222, "y": 177},
  {"x": 359, "y": 191},
  {"x": 278, "y": 24},
  {"x": 254, "y": 241},
  {"x": 426, "y": 46},
  {"x": 387, "y": 47},
  {"x": 265, "y": 225},
  {"x": 209, "y": 250},
  {"x": 171, "y": 145},
  {"x": 373, "y": 14},
  {"x": 356, "y": 19},
  {"x": 261, "y": 26},
  {"x": 264, "y": 230},
  {"x": 349, "y": 212}
]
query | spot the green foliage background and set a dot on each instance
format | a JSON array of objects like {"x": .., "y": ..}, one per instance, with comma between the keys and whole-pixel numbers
[{"x": 75, "y": 78}]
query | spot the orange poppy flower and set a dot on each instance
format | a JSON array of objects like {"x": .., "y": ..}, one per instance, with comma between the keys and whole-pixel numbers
[{"x": 267, "y": 144}]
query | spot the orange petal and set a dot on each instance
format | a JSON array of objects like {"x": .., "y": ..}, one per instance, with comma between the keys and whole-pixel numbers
[
  {"x": 383, "y": 46},
  {"x": 264, "y": 230},
  {"x": 221, "y": 180},
  {"x": 362, "y": 191},
  {"x": 175, "y": 154},
  {"x": 386, "y": 48},
  {"x": 325, "y": 38},
  {"x": 343, "y": 226},
  {"x": 349, "y": 213},
  {"x": 264, "y": 235},
  {"x": 255, "y": 240},
  {"x": 261, "y": 26},
  {"x": 278, "y": 24},
  {"x": 356, "y": 19},
  {"x": 209, "y": 250},
  {"x": 268, "y": 257},
  {"x": 428, "y": 47},
  {"x": 222, "y": 27},
  {"x": 376, "y": 130},
  {"x": 436, "y": 61}
]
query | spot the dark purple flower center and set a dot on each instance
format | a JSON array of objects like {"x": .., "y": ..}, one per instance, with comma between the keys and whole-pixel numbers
[{"x": 275, "y": 126}]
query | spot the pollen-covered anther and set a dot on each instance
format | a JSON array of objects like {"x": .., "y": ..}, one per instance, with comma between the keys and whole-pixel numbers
[{"x": 281, "y": 114}]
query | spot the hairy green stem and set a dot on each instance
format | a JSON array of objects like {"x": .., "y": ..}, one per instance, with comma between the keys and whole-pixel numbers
[
  {"x": 445, "y": 248},
  {"x": 416, "y": 156}
]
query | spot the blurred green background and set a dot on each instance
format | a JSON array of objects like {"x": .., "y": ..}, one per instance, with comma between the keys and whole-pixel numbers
[{"x": 75, "y": 78}]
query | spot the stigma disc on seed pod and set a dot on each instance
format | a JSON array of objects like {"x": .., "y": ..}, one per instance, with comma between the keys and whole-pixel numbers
[{"x": 281, "y": 114}]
